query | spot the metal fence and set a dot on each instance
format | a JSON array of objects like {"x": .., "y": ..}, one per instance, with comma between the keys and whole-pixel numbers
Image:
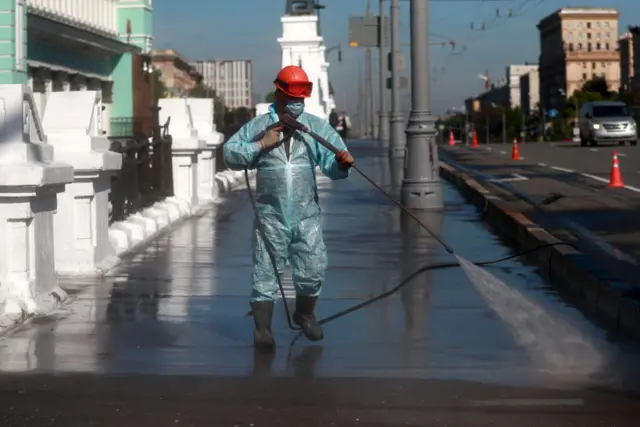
[{"x": 146, "y": 176}]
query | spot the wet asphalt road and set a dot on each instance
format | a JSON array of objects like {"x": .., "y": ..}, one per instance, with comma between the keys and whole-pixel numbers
[
  {"x": 163, "y": 339},
  {"x": 594, "y": 161}
]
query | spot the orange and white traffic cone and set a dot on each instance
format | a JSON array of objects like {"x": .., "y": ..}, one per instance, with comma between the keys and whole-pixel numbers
[
  {"x": 452, "y": 141},
  {"x": 616, "y": 177},
  {"x": 515, "y": 153},
  {"x": 474, "y": 141}
]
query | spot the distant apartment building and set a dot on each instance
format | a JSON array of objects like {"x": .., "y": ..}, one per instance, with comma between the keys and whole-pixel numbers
[
  {"x": 529, "y": 91},
  {"x": 514, "y": 73},
  {"x": 505, "y": 94},
  {"x": 576, "y": 45},
  {"x": 626, "y": 47},
  {"x": 230, "y": 78},
  {"x": 178, "y": 76}
]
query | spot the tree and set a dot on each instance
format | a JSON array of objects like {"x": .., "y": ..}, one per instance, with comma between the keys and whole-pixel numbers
[
  {"x": 159, "y": 88},
  {"x": 270, "y": 97},
  {"x": 201, "y": 91}
]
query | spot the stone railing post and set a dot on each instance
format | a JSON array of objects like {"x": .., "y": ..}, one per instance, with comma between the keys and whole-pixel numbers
[
  {"x": 72, "y": 121},
  {"x": 202, "y": 112},
  {"x": 30, "y": 179},
  {"x": 186, "y": 148}
]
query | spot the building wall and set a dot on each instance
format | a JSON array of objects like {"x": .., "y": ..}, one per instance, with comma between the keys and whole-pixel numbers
[
  {"x": 232, "y": 79},
  {"x": 626, "y": 61},
  {"x": 529, "y": 91},
  {"x": 514, "y": 72},
  {"x": 139, "y": 13},
  {"x": 177, "y": 74},
  {"x": 13, "y": 42},
  {"x": 577, "y": 44}
]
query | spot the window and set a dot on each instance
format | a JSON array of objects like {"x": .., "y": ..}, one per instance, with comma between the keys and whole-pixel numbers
[
  {"x": 584, "y": 76},
  {"x": 607, "y": 46},
  {"x": 589, "y": 36},
  {"x": 598, "y": 47},
  {"x": 597, "y": 24},
  {"x": 607, "y": 25},
  {"x": 603, "y": 65},
  {"x": 570, "y": 47},
  {"x": 580, "y": 35},
  {"x": 593, "y": 65},
  {"x": 588, "y": 24},
  {"x": 598, "y": 36},
  {"x": 584, "y": 65},
  {"x": 579, "y": 46},
  {"x": 607, "y": 35},
  {"x": 589, "y": 47}
]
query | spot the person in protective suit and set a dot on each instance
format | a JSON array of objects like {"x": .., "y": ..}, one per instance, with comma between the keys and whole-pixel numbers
[{"x": 287, "y": 201}]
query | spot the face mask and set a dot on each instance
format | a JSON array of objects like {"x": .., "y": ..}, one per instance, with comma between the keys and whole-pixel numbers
[{"x": 295, "y": 108}]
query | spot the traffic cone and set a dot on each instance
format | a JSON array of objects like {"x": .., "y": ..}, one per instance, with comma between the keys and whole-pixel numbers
[
  {"x": 474, "y": 141},
  {"x": 515, "y": 153},
  {"x": 616, "y": 177},
  {"x": 452, "y": 141}
]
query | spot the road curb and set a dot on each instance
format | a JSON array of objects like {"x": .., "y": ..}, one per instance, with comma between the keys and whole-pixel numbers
[{"x": 564, "y": 264}]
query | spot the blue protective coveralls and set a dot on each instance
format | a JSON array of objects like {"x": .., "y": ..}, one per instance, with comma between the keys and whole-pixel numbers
[{"x": 287, "y": 201}]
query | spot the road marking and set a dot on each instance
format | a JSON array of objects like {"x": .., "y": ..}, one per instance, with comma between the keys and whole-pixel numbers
[
  {"x": 593, "y": 149},
  {"x": 513, "y": 178},
  {"x": 528, "y": 402},
  {"x": 621, "y": 154},
  {"x": 544, "y": 165},
  {"x": 597, "y": 178},
  {"x": 503, "y": 152},
  {"x": 562, "y": 169}
]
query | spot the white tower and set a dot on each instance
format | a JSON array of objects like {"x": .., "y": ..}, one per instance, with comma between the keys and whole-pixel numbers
[{"x": 303, "y": 46}]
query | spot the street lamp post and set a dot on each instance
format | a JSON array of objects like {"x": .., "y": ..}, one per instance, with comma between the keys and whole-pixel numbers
[
  {"x": 396, "y": 146},
  {"x": 384, "y": 115},
  {"x": 421, "y": 187},
  {"x": 504, "y": 121}
]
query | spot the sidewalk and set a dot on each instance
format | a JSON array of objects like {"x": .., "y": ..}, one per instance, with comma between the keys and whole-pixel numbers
[{"x": 155, "y": 337}]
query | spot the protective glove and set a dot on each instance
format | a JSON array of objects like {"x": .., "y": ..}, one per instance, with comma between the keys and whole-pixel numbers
[
  {"x": 344, "y": 159},
  {"x": 271, "y": 138}
]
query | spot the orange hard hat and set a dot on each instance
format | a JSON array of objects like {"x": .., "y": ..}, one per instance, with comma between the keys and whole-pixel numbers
[{"x": 293, "y": 81}]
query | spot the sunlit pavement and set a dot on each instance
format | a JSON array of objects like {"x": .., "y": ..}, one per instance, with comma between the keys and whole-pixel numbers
[{"x": 164, "y": 338}]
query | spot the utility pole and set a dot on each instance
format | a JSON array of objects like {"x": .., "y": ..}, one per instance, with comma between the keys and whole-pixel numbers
[
  {"x": 383, "y": 122},
  {"x": 362, "y": 116},
  {"x": 421, "y": 187},
  {"x": 371, "y": 109},
  {"x": 397, "y": 147}
]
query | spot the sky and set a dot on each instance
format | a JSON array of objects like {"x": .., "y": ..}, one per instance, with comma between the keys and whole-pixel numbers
[{"x": 249, "y": 29}]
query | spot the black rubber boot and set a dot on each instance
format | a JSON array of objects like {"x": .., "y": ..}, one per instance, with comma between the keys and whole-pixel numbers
[
  {"x": 262, "y": 312},
  {"x": 305, "y": 318}
]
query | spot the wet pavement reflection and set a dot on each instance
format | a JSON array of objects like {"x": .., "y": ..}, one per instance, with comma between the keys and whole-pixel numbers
[{"x": 179, "y": 306}]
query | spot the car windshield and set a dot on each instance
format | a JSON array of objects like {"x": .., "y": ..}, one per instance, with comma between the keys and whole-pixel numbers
[{"x": 611, "y": 111}]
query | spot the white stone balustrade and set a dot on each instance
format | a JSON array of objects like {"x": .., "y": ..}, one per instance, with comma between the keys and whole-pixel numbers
[
  {"x": 29, "y": 182},
  {"x": 186, "y": 148},
  {"x": 203, "y": 113},
  {"x": 72, "y": 123},
  {"x": 95, "y": 15}
]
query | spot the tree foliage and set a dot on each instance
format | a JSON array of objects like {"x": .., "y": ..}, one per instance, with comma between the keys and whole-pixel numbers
[
  {"x": 159, "y": 88},
  {"x": 270, "y": 97}
]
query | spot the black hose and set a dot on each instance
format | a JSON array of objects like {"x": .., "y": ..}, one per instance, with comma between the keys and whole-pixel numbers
[{"x": 298, "y": 126}]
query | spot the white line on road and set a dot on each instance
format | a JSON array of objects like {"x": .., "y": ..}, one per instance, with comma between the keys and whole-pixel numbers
[
  {"x": 597, "y": 178},
  {"x": 528, "y": 402},
  {"x": 593, "y": 149},
  {"x": 562, "y": 169},
  {"x": 544, "y": 165},
  {"x": 503, "y": 152},
  {"x": 621, "y": 154}
]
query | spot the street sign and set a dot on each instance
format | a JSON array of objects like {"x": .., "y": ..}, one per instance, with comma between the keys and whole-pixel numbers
[
  {"x": 404, "y": 83},
  {"x": 364, "y": 31},
  {"x": 553, "y": 113},
  {"x": 402, "y": 63}
]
